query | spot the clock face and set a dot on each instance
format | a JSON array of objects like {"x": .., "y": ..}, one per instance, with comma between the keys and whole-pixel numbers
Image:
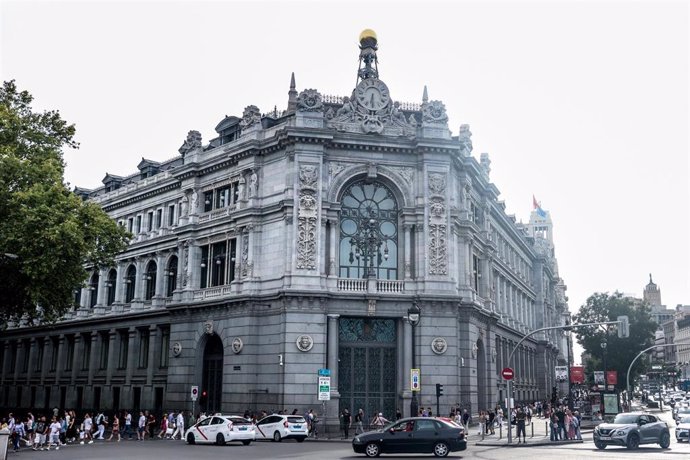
[{"x": 373, "y": 94}]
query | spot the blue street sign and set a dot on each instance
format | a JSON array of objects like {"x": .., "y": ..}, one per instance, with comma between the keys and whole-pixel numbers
[{"x": 325, "y": 372}]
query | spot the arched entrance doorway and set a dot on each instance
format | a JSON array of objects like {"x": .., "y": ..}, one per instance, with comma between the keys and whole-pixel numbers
[
  {"x": 212, "y": 376},
  {"x": 481, "y": 377}
]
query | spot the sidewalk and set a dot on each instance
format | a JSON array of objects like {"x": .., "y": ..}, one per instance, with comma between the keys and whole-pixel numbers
[{"x": 538, "y": 434}]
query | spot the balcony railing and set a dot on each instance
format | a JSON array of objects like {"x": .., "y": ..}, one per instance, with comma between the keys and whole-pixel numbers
[{"x": 362, "y": 285}]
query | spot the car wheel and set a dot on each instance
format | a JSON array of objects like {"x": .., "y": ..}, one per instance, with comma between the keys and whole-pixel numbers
[
  {"x": 276, "y": 436},
  {"x": 220, "y": 439},
  {"x": 665, "y": 440},
  {"x": 190, "y": 438},
  {"x": 300, "y": 439},
  {"x": 633, "y": 441},
  {"x": 246, "y": 443},
  {"x": 372, "y": 450},
  {"x": 600, "y": 445},
  {"x": 441, "y": 449}
]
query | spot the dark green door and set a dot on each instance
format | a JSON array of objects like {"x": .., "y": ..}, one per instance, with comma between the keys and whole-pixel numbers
[{"x": 367, "y": 366}]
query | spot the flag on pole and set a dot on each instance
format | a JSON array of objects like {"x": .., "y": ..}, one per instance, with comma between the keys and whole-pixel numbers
[{"x": 537, "y": 207}]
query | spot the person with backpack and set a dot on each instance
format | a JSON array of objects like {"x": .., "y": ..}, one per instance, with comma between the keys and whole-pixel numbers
[
  {"x": 359, "y": 421},
  {"x": 379, "y": 420}
]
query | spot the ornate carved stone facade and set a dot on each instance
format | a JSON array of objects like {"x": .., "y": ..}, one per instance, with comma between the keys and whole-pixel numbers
[
  {"x": 306, "y": 217},
  {"x": 438, "y": 225}
]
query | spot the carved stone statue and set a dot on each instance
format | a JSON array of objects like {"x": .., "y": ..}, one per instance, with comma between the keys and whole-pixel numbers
[
  {"x": 192, "y": 142},
  {"x": 253, "y": 184},
  {"x": 346, "y": 111},
  {"x": 464, "y": 138},
  {"x": 240, "y": 187},
  {"x": 309, "y": 100},
  {"x": 183, "y": 206},
  {"x": 194, "y": 203},
  {"x": 250, "y": 116}
]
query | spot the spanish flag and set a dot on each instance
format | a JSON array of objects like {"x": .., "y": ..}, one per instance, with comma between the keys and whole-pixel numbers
[{"x": 537, "y": 207}]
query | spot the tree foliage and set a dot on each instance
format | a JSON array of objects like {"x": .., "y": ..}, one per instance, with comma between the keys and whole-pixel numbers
[
  {"x": 620, "y": 352},
  {"x": 47, "y": 233}
]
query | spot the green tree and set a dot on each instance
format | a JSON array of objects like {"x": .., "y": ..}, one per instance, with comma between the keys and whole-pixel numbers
[
  {"x": 48, "y": 235},
  {"x": 620, "y": 352}
]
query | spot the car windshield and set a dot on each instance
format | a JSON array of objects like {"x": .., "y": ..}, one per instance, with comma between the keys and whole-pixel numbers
[
  {"x": 685, "y": 419},
  {"x": 625, "y": 418}
]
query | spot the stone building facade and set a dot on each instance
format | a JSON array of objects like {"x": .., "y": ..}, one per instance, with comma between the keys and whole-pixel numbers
[{"x": 296, "y": 241}]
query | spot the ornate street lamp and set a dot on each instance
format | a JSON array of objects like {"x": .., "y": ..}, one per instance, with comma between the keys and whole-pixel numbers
[
  {"x": 414, "y": 314},
  {"x": 366, "y": 245}
]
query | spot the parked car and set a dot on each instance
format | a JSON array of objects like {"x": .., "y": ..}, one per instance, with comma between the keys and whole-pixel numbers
[
  {"x": 680, "y": 413},
  {"x": 683, "y": 429},
  {"x": 631, "y": 429},
  {"x": 415, "y": 435},
  {"x": 221, "y": 429},
  {"x": 278, "y": 427}
]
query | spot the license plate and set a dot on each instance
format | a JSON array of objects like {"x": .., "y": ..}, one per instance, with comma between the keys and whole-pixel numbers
[
  {"x": 296, "y": 427},
  {"x": 243, "y": 428},
  {"x": 605, "y": 438}
]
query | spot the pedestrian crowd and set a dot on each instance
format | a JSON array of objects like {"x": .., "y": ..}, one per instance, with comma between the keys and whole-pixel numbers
[{"x": 60, "y": 428}]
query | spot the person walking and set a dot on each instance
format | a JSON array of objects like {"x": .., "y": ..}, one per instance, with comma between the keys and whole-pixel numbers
[
  {"x": 179, "y": 425},
  {"x": 17, "y": 433},
  {"x": 164, "y": 427},
  {"x": 100, "y": 426},
  {"x": 359, "y": 421},
  {"x": 379, "y": 420},
  {"x": 141, "y": 427},
  {"x": 88, "y": 428},
  {"x": 347, "y": 423},
  {"x": 466, "y": 421},
  {"x": 54, "y": 434},
  {"x": 116, "y": 428},
  {"x": 40, "y": 434}
]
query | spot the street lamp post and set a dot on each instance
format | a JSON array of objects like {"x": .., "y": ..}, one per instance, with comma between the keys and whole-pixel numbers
[
  {"x": 603, "y": 348},
  {"x": 414, "y": 315}
]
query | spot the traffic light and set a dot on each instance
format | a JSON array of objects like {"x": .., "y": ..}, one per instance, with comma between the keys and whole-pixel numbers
[
  {"x": 439, "y": 390},
  {"x": 623, "y": 327}
]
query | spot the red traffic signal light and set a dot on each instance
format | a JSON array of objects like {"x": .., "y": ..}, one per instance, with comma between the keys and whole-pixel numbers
[{"x": 203, "y": 393}]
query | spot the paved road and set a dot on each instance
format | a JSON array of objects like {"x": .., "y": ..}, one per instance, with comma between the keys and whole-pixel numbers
[{"x": 153, "y": 450}]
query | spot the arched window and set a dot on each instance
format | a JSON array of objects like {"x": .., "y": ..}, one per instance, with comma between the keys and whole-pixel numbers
[
  {"x": 368, "y": 231},
  {"x": 150, "y": 280},
  {"x": 110, "y": 285},
  {"x": 131, "y": 283},
  {"x": 171, "y": 276},
  {"x": 93, "y": 289}
]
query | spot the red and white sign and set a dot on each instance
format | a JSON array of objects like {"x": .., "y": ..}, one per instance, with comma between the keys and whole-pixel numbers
[
  {"x": 195, "y": 393},
  {"x": 507, "y": 373}
]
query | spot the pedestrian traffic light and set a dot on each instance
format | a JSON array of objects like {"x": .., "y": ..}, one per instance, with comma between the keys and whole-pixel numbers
[
  {"x": 623, "y": 327},
  {"x": 439, "y": 390}
]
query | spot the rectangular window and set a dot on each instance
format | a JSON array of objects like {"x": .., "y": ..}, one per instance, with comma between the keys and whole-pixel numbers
[
  {"x": 149, "y": 221},
  {"x": 218, "y": 262},
  {"x": 70, "y": 353},
  {"x": 223, "y": 197},
  {"x": 85, "y": 357},
  {"x": 235, "y": 191},
  {"x": 475, "y": 272},
  {"x": 208, "y": 201},
  {"x": 165, "y": 347},
  {"x": 171, "y": 215},
  {"x": 105, "y": 349},
  {"x": 124, "y": 350},
  {"x": 130, "y": 224},
  {"x": 138, "y": 228},
  {"x": 54, "y": 354},
  {"x": 143, "y": 348},
  {"x": 25, "y": 356},
  {"x": 204, "y": 266},
  {"x": 159, "y": 218},
  {"x": 40, "y": 349}
]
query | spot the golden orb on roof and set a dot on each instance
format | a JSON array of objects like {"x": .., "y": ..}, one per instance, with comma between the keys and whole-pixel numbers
[{"x": 367, "y": 33}]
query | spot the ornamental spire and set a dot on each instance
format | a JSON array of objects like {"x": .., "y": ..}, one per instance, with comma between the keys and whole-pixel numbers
[
  {"x": 368, "y": 45},
  {"x": 292, "y": 95}
]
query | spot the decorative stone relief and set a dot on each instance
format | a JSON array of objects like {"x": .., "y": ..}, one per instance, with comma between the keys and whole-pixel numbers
[
  {"x": 438, "y": 225},
  {"x": 335, "y": 168},
  {"x": 250, "y": 116},
  {"x": 475, "y": 348},
  {"x": 493, "y": 354},
  {"x": 208, "y": 327},
  {"x": 253, "y": 183},
  {"x": 465, "y": 140},
  {"x": 439, "y": 345},
  {"x": 185, "y": 264},
  {"x": 304, "y": 343},
  {"x": 245, "y": 253},
  {"x": 371, "y": 307},
  {"x": 306, "y": 218},
  {"x": 434, "y": 112},
  {"x": 404, "y": 172},
  {"x": 309, "y": 100},
  {"x": 192, "y": 142},
  {"x": 485, "y": 163},
  {"x": 237, "y": 345},
  {"x": 177, "y": 349}
]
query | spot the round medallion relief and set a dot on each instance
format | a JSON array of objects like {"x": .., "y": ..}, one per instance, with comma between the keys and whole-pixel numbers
[
  {"x": 304, "y": 342},
  {"x": 177, "y": 349},
  {"x": 439, "y": 345},
  {"x": 237, "y": 345}
]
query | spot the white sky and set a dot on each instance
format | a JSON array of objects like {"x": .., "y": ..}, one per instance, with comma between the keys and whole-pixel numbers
[{"x": 583, "y": 104}]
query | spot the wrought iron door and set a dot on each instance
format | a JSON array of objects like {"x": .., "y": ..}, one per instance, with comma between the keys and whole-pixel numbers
[
  {"x": 367, "y": 366},
  {"x": 212, "y": 376}
]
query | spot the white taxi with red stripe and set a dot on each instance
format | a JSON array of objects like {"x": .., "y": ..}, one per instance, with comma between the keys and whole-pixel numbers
[
  {"x": 278, "y": 427},
  {"x": 220, "y": 429}
]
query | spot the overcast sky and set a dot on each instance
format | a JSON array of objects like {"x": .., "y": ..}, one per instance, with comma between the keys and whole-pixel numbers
[{"x": 583, "y": 104}]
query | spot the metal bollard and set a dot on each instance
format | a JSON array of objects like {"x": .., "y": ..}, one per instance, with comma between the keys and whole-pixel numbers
[
  {"x": 546, "y": 429},
  {"x": 500, "y": 431},
  {"x": 483, "y": 429},
  {"x": 532, "y": 427}
]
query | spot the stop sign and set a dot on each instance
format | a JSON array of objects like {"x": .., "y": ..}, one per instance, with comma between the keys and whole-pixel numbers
[{"x": 507, "y": 373}]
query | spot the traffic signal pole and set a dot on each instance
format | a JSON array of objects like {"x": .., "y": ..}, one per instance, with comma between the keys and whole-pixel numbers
[{"x": 509, "y": 384}]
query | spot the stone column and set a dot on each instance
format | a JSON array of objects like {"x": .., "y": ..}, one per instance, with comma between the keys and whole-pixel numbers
[
  {"x": 60, "y": 365},
  {"x": 289, "y": 244},
  {"x": 154, "y": 350},
  {"x": 251, "y": 235},
  {"x": 139, "y": 280},
  {"x": 18, "y": 361},
  {"x": 93, "y": 358},
  {"x": 47, "y": 354},
  {"x": 78, "y": 351},
  {"x": 333, "y": 352},
  {"x": 112, "y": 356},
  {"x": 132, "y": 354},
  {"x": 335, "y": 248},
  {"x": 85, "y": 297},
  {"x": 159, "y": 293},
  {"x": 101, "y": 292},
  {"x": 5, "y": 361},
  {"x": 408, "y": 330},
  {"x": 407, "y": 229},
  {"x": 33, "y": 352},
  {"x": 120, "y": 283}
]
